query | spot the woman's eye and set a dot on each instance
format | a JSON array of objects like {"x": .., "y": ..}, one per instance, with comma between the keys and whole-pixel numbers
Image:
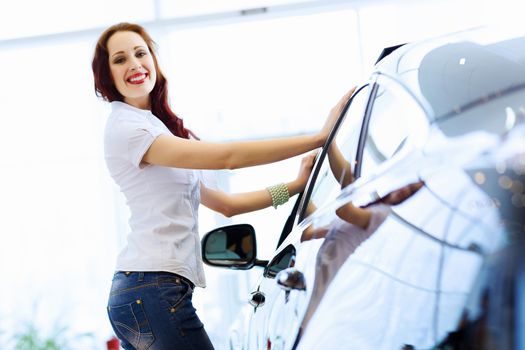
[
  {"x": 141, "y": 54},
  {"x": 119, "y": 60}
]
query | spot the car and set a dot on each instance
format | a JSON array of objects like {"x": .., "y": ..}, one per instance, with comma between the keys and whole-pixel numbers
[{"x": 410, "y": 231}]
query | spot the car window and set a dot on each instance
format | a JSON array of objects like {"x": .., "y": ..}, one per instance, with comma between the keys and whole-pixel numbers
[
  {"x": 395, "y": 120},
  {"x": 331, "y": 179}
]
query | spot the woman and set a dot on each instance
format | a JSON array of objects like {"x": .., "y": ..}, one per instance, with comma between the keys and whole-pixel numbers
[{"x": 151, "y": 156}]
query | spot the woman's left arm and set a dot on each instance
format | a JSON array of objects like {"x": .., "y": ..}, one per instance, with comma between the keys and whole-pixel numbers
[{"x": 240, "y": 203}]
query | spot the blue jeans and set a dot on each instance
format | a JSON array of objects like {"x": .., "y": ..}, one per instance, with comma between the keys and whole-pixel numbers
[{"x": 153, "y": 310}]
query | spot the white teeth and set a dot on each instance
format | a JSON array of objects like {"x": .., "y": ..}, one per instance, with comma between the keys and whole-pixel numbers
[{"x": 138, "y": 78}]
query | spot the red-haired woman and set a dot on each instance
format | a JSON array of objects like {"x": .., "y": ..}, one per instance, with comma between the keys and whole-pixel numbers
[{"x": 155, "y": 161}]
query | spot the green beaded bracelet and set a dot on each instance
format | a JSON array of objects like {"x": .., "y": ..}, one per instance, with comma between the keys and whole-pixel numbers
[{"x": 279, "y": 194}]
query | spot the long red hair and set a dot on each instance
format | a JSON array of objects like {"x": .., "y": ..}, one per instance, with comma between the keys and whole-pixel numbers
[{"x": 105, "y": 87}]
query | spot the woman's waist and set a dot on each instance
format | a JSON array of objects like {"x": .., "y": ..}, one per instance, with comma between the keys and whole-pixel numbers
[{"x": 125, "y": 280}]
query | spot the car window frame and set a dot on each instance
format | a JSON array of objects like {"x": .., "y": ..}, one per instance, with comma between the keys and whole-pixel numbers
[
  {"x": 307, "y": 193},
  {"x": 364, "y": 130},
  {"x": 289, "y": 224}
]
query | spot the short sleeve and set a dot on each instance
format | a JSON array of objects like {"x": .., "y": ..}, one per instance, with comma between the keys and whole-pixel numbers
[{"x": 133, "y": 135}]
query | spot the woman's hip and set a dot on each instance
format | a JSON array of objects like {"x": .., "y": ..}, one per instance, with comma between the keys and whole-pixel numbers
[{"x": 153, "y": 310}]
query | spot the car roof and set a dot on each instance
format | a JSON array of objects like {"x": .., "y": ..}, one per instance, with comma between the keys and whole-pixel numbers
[{"x": 454, "y": 74}]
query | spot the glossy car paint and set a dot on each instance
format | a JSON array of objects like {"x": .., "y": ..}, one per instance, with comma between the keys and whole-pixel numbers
[{"x": 443, "y": 269}]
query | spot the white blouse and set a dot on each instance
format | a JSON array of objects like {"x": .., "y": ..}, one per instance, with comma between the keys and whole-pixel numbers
[{"x": 163, "y": 201}]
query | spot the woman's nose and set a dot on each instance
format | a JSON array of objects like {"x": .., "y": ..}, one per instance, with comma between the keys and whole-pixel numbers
[{"x": 135, "y": 65}]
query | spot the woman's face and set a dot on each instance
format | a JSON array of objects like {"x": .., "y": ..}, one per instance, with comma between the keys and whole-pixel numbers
[{"x": 132, "y": 68}]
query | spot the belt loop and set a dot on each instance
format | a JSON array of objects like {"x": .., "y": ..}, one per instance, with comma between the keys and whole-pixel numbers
[{"x": 141, "y": 276}]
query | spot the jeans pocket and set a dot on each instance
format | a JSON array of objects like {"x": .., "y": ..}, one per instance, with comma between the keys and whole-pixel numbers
[
  {"x": 173, "y": 292},
  {"x": 130, "y": 323}
]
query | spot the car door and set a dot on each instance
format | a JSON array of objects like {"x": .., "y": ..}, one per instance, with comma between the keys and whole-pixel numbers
[
  {"x": 405, "y": 284},
  {"x": 374, "y": 277},
  {"x": 277, "y": 326}
]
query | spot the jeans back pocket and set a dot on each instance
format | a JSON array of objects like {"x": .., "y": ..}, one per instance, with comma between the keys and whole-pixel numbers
[{"x": 129, "y": 322}]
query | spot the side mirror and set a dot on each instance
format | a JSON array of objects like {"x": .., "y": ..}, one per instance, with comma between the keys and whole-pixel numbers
[{"x": 232, "y": 246}]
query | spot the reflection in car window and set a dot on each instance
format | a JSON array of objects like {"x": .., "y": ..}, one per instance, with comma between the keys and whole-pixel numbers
[
  {"x": 327, "y": 187},
  {"x": 394, "y": 119}
]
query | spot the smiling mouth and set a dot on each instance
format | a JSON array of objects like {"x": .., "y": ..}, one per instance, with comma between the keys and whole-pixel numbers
[{"x": 137, "y": 79}]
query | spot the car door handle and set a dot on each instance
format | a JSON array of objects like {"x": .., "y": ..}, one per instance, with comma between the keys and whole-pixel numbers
[
  {"x": 257, "y": 299},
  {"x": 291, "y": 278}
]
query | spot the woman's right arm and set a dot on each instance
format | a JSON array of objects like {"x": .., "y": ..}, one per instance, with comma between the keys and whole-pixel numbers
[
  {"x": 173, "y": 151},
  {"x": 176, "y": 152}
]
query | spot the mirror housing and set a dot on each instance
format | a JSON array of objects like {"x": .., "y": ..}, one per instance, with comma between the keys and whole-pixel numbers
[{"x": 233, "y": 247}]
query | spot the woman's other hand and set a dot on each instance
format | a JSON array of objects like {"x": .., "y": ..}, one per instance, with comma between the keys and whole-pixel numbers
[
  {"x": 335, "y": 112},
  {"x": 305, "y": 170}
]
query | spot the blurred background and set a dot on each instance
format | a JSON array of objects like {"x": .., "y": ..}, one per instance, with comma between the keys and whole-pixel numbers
[{"x": 238, "y": 70}]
